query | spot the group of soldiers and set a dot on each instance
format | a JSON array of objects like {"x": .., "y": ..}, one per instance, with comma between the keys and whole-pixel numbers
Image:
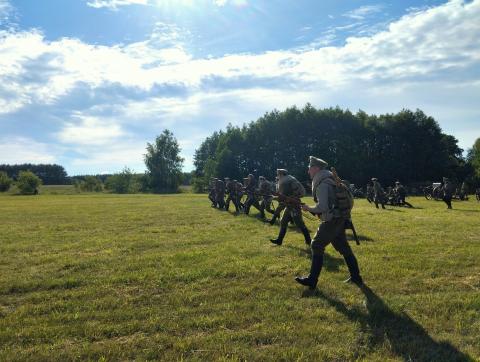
[
  {"x": 332, "y": 207},
  {"x": 395, "y": 195},
  {"x": 258, "y": 194}
]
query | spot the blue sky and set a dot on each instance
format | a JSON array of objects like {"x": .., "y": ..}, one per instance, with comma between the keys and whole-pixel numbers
[{"x": 87, "y": 83}]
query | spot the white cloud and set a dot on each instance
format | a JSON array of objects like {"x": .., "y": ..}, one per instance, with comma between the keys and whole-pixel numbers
[
  {"x": 90, "y": 131},
  {"x": 364, "y": 11},
  {"x": 114, "y": 4},
  {"x": 17, "y": 150},
  {"x": 6, "y": 10}
]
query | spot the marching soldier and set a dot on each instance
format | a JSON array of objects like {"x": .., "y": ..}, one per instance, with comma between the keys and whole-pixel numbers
[
  {"x": 448, "y": 190},
  {"x": 250, "y": 190},
  {"x": 290, "y": 191},
  {"x": 379, "y": 193},
  {"x": 370, "y": 193},
  {"x": 231, "y": 190},
  {"x": 332, "y": 227},
  {"x": 220, "y": 194},
  {"x": 265, "y": 190},
  {"x": 211, "y": 191}
]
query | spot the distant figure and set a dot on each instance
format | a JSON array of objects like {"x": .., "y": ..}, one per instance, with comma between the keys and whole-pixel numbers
[
  {"x": 370, "y": 193},
  {"x": 220, "y": 194},
  {"x": 230, "y": 189},
  {"x": 379, "y": 193},
  {"x": 401, "y": 194},
  {"x": 265, "y": 190},
  {"x": 477, "y": 194},
  {"x": 448, "y": 190},
  {"x": 250, "y": 190},
  {"x": 464, "y": 191}
]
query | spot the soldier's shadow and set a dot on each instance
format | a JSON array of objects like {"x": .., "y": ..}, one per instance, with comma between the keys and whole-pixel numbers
[
  {"x": 360, "y": 237},
  {"x": 408, "y": 339},
  {"x": 330, "y": 263}
]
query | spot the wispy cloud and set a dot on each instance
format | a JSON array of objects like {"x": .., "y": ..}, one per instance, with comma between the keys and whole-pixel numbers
[
  {"x": 364, "y": 11},
  {"x": 114, "y": 4}
]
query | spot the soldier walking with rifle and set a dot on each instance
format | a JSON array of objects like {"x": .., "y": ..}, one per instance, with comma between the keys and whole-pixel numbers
[
  {"x": 333, "y": 205},
  {"x": 290, "y": 190}
]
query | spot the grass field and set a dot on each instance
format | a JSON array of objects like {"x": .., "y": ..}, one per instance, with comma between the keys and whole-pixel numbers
[{"x": 146, "y": 277}]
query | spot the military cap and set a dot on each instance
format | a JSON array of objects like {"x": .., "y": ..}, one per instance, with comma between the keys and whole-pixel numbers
[
  {"x": 282, "y": 171},
  {"x": 397, "y": 182},
  {"x": 262, "y": 178},
  {"x": 250, "y": 175},
  {"x": 374, "y": 179},
  {"x": 318, "y": 162},
  {"x": 227, "y": 178}
]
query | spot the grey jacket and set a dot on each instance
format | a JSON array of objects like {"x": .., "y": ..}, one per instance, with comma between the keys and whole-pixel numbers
[{"x": 323, "y": 191}]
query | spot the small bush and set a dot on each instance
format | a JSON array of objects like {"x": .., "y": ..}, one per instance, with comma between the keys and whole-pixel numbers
[
  {"x": 124, "y": 182},
  {"x": 28, "y": 183},
  {"x": 5, "y": 181},
  {"x": 90, "y": 184}
]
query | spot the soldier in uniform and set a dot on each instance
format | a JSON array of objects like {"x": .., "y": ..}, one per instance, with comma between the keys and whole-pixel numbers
[
  {"x": 251, "y": 190},
  {"x": 401, "y": 194},
  {"x": 265, "y": 190},
  {"x": 448, "y": 190},
  {"x": 281, "y": 206},
  {"x": 379, "y": 193},
  {"x": 230, "y": 187},
  {"x": 370, "y": 193},
  {"x": 332, "y": 227},
  {"x": 477, "y": 194},
  {"x": 464, "y": 191},
  {"x": 211, "y": 191},
  {"x": 290, "y": 187},
  {"x": 220, "y": 194}
]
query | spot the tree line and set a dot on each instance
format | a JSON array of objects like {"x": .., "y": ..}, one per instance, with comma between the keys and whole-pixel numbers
[
  {"x": 408, "y": 146},
  {"x": 50, "y": 174},
  {"x": 162, "y": 160}
]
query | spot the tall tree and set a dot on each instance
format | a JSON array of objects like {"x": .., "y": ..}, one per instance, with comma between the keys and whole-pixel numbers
[{"x": 164, "y": 163}]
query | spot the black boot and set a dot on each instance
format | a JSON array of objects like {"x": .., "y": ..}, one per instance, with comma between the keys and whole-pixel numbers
[
  {"x": 315, "y": 269},
  {"x": 306, "y": 235},
  {"x": 352, "y": 265},
  {"x": 281, "y": 235}
]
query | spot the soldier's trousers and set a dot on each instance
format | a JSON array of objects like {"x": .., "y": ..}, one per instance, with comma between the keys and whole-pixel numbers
[
  {"x": 295, "y": 215},
  {"x": 234, "y": 199},
  {"x": 448, "y": 200},
  {"x": 220, "y": 201},
  {"x": 266, "y": 204},
  {"x": 379, "y": 200},
  {"x": 251, "y": 201},
  {"x": 332, "y": 232},
  {"x": 277, "y": 212}
]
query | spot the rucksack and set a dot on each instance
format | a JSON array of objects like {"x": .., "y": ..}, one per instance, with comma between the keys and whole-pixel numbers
[{"x": 343, "y": 195}]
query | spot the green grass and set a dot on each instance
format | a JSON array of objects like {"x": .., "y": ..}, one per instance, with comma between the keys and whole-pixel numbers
[{"x": 146, "y": 277}]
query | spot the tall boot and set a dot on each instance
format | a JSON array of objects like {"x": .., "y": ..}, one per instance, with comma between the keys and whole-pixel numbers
[
  {"x": 315, "y": 269},
  {"x": 281, "y": 235},
  {"x": 306, "y": 235},
  {"x": 352, "y": 265}
]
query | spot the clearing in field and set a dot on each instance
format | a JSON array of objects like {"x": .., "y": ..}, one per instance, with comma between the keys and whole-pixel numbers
[{"x": 144, "y": 277}]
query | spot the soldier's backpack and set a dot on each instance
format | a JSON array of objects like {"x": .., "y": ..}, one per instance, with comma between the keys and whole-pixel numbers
[
  {"x": 290, "y": 186},
  {"x": 343, "y": 195}
]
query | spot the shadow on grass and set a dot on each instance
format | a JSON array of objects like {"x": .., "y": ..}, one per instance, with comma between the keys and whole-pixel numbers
[
  {"x": 408, "y": 339},
  {"x": 462, "y": 210},
  {"x": 360, "y": 237},
  {"x": 330, "y": 263}
]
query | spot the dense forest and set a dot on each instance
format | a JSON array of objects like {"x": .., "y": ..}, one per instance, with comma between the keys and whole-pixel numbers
[
  {"x": 407, "y": 146},
  {"x": 50, "y": 174}
]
